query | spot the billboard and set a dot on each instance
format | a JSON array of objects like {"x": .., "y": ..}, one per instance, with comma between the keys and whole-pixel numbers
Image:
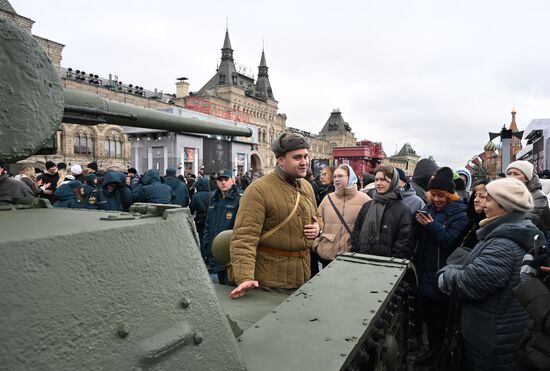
[
  {"x": 317, "y": 166},
  {"x": 188, "y": 154},
  {"x": 216, "y": 155}
]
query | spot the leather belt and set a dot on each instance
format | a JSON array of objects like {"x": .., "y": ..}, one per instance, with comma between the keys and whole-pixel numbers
[{"x": 285, "y": 254}]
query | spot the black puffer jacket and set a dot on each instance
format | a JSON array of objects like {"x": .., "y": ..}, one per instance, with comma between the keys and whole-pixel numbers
[
  {"x": 395, "y": 235},
  {"x": 492, "y": 317},
  {"x": 535, "y": 347},
  {"x": 540, "y": 213}
]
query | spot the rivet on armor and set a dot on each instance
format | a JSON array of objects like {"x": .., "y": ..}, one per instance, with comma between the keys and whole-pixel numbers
[
  {"x": 197, "y": 338},
  {"x": 123, "y": 331},
  {"x": 185, "y": 302}
]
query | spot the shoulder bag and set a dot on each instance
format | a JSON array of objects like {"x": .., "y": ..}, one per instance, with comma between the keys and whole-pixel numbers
[{"x": 339, "y": 215}]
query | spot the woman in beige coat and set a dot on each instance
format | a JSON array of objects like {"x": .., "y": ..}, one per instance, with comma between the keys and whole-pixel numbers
[{"x": 336, "y": 235}]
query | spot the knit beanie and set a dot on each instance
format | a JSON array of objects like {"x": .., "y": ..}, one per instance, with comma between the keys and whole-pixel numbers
[
  {"x": 443, "y": 179},
  {"x": 287, "y": 142},
  {"x": 402, "y": 175},
  {"x": 76, "y": 169},
  {"x": 511, "y": 194},
  {"x": 459, "y": 184},
  {"x": 92, "y": 165},
  {"x": 524, "y": 166}
]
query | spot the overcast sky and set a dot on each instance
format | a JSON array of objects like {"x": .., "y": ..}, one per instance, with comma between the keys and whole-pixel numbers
[{"x": 437, "y": 74}]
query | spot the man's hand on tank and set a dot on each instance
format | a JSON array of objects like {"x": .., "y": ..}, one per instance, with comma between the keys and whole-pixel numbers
[
  {"x": 243, "y": 288},
  {"x": 311, "y": 231}
]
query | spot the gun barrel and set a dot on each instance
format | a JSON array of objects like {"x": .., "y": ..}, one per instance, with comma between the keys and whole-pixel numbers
[{"x": 90, "y": 109}]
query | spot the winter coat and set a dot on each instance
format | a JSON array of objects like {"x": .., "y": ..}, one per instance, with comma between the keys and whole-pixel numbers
[
  {"x": 200, "y": 201},
  {"x": 436, "y": 241},
  {"x": 335, "y": 238},
  {"x": 31, "y": 184},
  {"x": 492, "y": 317},
  {"x": 266, "y": 203},
  {"x": 540, "y": 214},
  {"x": 52, "y": 179},
  {"x": 395, "y": 235},
  {"x": 222, "y": 212},
  {"x": 65, "y": 197},
  {"x": 411, "y": 199},
  {"x": 534, "y": 351},
  {"x": 152, "y": 190},
  {"x": 180, "y": 195},
  {"x": 12, "y": 189},
  {"x": 119, "y": 200},
  {"x": 324, "y": 191}
]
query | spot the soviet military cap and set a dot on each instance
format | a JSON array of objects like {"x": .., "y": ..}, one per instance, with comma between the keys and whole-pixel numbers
[{"x": 287, "y": 142}]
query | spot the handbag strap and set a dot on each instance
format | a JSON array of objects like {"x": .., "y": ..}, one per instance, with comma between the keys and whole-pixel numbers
[
  {"x": 269, "y": 233},
  {"x": 453, "y": 314},
  {"x": 339, "y": 215}
]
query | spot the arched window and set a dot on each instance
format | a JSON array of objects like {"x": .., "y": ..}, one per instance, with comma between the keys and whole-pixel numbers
[
  {"x": 76, "y": 142},
  {"x": 113, "y": 147},
  {"x": 83, "y": 144}
]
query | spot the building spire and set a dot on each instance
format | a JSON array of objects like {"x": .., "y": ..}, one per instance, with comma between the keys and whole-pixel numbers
[
  {"x": 513, "y": 125},
  {"x": 227, "y": 73},
  {"x": 262, "y": 63},
  {"x": 263, "y": 86},
  {"x": 227, "y": 42}
]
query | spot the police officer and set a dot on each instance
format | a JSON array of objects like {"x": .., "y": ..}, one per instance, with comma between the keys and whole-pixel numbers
[{"x": 221, "y": 214}]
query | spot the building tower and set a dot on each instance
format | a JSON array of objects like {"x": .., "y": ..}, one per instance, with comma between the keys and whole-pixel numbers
[
  {"x": 227, "y": 73},
  {"x": 263, "y": 86},
  {"x": 337, "y": 131},
  {"x": 515, "y": 144}
]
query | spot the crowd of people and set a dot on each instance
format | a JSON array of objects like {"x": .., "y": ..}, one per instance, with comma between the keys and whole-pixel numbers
[{"x": 477, "y": 242}]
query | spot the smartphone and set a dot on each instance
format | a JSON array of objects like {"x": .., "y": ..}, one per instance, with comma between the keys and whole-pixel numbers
[{"x": 422, "y": 212}]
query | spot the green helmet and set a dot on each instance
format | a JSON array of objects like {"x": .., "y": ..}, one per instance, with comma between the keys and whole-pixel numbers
[{"x": 220, "y": 247}]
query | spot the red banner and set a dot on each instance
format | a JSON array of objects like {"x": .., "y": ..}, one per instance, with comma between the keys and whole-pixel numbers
[{"x": 218, "y": 110}]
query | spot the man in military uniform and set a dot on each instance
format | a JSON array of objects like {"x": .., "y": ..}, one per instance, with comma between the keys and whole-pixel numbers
[
  {"x": 276, "y": 223},
  {"x": 222, "y": 210}
]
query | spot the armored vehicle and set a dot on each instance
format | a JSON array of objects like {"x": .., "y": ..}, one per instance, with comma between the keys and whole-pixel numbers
[{"x": 93, "y": 290}]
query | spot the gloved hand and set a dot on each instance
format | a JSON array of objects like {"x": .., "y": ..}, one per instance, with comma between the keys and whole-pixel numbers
[{"x": 531, "y": 263}]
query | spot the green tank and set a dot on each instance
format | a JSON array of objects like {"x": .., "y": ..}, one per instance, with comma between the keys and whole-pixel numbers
[{"x": 93, "y": 290}]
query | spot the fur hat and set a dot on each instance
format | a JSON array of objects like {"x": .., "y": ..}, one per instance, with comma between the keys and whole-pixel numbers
[
  {"x": 170, "y": 171},
  {"x": 511, "y": 194},
  {"x": 524, "y": 166},
  {"x": 76, "y": 169},
  {"x": 288, "y": 141},
  {"x": 443, "y": 179}
]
